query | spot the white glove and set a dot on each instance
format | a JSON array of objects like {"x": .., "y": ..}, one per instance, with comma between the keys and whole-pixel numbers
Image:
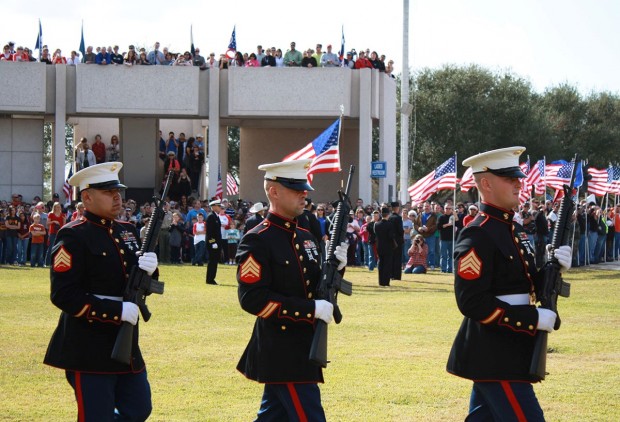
[
  {"x": 148, "y": 262},
  {"x": 214, "y": 246},
  {"x": 564, "y": 255},
  {"x": 340, "y": 253},
  {"x": 324, "y": 310},
  {"x": 130, "y": 313},
  {"x": 546, "y": 319}
]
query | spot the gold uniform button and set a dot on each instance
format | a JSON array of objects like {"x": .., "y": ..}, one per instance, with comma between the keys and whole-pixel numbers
[
  {"x": 516, "y": 240},
  {"x": 284, "y": 312},
  {"x": 510, "y": 257},
  {"x": 518, "y": 323},
  {"x": 307, "y": 281},
  {"x": 506, "y": 319},
  {"x": 105, "y": 254},
  {"x": 294, "y": 235},
  {"x": 115, "y": 318},
  {"x": 117, "y": 241},
  {"x": 90, "y": 320},
  {"x": 527, "y": 264},
  {"x": 531, "y": 327},
  {"x": 301, "y": 257},
  {"x": 287, "y": 225},
  {"x": 521, "y": 251},
  {"x": 297, "y": 246},
  {"x": 286, "y": 262},
  {"x": 122, "y": 251},
  {"x": 309, "y": 315},
  {"x": 125, "y": 263},
  {"x": 93, "y": 313},
  {"x": 283, "y": 327},
  {"x": 310, "y": 295},
  {"x": 105, "y": 315},
  {"x": 296, "y": 313},
  {"x": 305, "y": 270}
]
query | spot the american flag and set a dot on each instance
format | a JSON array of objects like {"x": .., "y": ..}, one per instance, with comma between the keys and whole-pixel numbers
[
  {"x": 615, "y": 182},
  {"x": 323, "y": 151},
  {"x": 467, "y": 181},
  {"x": 558, "y": 174},
  {"x": 67, "y": 189},
  {"x": 526, "y": 189},
  {"x": 599, "y": 185},
  {"x": 219, "y": 193},
  {"x": 536, "y": 177},
  {"x": 232, "y": 45},
  {"x": 231, "y": 185},
  {"x": 443, "y": 177}
]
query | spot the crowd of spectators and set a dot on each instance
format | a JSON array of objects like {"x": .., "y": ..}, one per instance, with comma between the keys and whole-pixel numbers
[
  {"x": 270, "y": 57},
  {"x": 28, "y": 228}
]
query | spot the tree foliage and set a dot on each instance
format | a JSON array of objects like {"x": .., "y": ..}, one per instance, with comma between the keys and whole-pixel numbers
[{"x": 471, "y": 109}]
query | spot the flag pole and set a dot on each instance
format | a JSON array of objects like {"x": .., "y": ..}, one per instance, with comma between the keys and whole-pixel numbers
[{"x": 454, "y": 214}]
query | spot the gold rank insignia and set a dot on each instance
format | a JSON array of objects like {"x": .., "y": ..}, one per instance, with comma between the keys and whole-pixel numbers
[
  {"x": 470, "y": 266},
  {"x": 506, "y": 216},
  {"x": 62, "y": 260},
  {"x": 250, "y": 270}
]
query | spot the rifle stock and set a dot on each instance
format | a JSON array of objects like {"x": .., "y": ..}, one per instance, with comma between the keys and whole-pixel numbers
[
  {"x": 553, "y": 285},
  {"x": 331, "y": 281},
  {"x": 140, "y": 284}
]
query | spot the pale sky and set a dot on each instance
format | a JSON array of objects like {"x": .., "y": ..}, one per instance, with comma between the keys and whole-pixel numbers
[{"x": 548, "y": 42}]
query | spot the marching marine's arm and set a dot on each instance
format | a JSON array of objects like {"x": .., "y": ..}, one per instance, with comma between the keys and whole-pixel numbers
[
  {"x": 255, "y": 293},
  {"x": 68, "y": 290},
  {"x": 474, "y": 261}
]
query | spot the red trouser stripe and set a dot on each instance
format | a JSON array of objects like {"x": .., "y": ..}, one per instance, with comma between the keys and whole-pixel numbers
[
  {"x": 513, "y": 401},
  {"x": 300, "y": 410},
  {"x": 78, "y": 396}
]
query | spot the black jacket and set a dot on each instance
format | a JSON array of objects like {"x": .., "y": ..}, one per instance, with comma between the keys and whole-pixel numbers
[
  {"x": 278, "y": 273},
  {"x": 91, "y": 256},
  {"x": 496, "y": 340}
]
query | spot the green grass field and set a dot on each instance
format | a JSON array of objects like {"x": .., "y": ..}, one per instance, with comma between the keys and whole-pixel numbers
[{"x": 387, "y": 357}]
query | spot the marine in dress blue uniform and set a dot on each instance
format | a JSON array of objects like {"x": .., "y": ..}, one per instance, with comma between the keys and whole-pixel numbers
[
  {"x": 278, "y": 272},
  {"x": 495, "y": 278},
  {"x": 91, "y": 262}
]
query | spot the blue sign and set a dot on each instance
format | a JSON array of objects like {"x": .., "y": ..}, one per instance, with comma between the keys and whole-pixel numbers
[{"x": 378, "y": 169}]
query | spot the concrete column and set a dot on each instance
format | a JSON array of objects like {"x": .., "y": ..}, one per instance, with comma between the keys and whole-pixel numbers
[
  {"x": 140, "y": 172},
  {"x": 387, "y": 137},
  {"x": 365, "y": 137},
  {"x": 58, "y": 142},
  {"x": 212, "y": 155}
]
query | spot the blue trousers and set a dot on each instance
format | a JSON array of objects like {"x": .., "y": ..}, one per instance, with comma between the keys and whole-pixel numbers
[
  {"x": 10, "y": 250},
  {"x": 111, "y": 397},
  {"x": 430, "y": 257},
  {"x": 616, "y": 245},
  {"x": 199, "y": 252},
  {"x": 406, "y": 247},
  {"x": 22, "y": 250},
  {"x": 504, "y": 401},
  {"x": 445, "y": 247},
  {"x": 291, "y": 402},
  {"x": 369, "y": 254},
  {"x": 36, "y": 254}
]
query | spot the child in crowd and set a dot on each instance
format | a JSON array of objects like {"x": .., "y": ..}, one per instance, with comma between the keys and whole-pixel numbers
[
  {"x": 37, "y": 231},
  {"x": 234, "y": 235},
  {"x": 200, "y": 234}
]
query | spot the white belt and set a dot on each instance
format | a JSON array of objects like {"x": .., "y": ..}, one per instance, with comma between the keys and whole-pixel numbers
[
  {"x": 517, "y": 299},
  {"x": 116, "y": 298}
]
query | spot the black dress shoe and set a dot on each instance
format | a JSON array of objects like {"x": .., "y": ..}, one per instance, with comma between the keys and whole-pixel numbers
[{"x": 212, "y": 282}]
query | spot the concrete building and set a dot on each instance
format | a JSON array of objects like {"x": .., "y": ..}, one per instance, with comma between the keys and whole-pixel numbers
[{"x": 278, "y": 110}]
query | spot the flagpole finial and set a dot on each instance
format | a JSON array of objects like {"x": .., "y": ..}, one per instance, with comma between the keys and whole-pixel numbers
[{"x": 341, "y": 109}]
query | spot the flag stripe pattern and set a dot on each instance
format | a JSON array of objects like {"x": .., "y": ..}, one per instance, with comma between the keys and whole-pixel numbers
[
  {"x": 599, "y": 184},
  {"x": 323, "y": 151},
  {"x": 443, "y": 177},
  {"x": 67, "y": 189},
  {"x": 467, "y": 181},
  {"x": 231, "y": 185}
]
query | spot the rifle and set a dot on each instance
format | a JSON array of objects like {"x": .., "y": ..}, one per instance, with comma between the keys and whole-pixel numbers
[
  {"x": 331, "y": 281},
  {"x": 553, "y": 285},
  {"x": 140, "y": 284}
]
